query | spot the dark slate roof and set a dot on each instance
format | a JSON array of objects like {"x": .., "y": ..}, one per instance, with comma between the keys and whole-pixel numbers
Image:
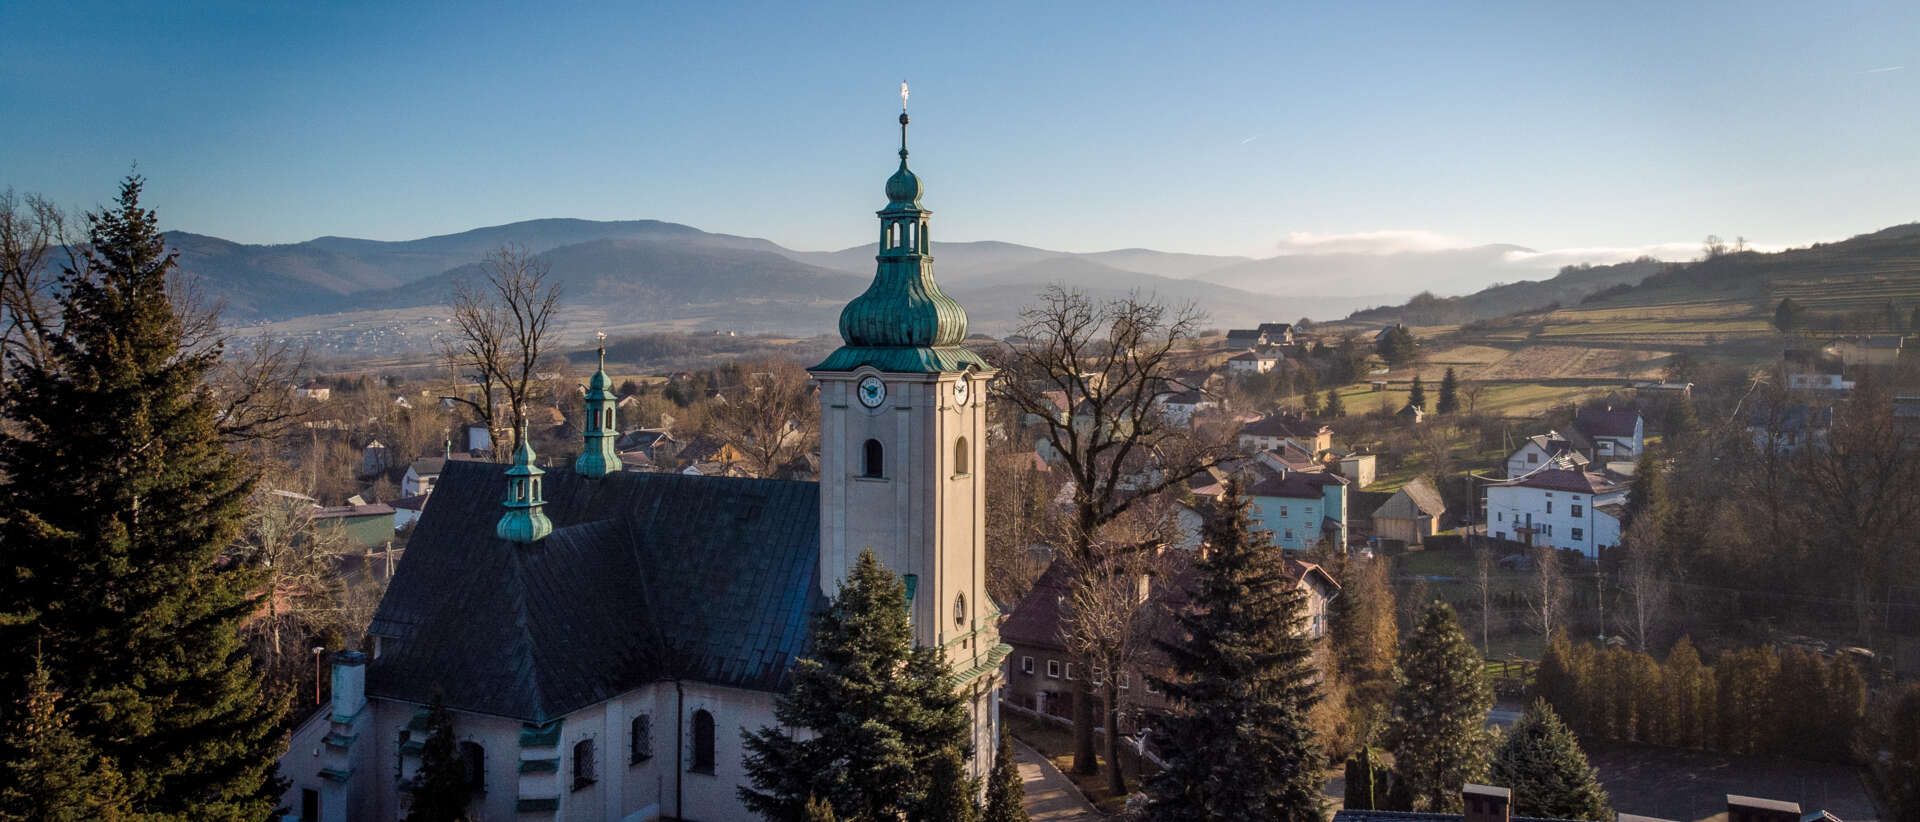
[
  {"x": 1554, "y": 479},
  {"x": 1282, "y": 425},
  {"x": 646, "y": 577},
  {"x": 1608, "y": 422},
  {"x": 1294, "y": 484}
]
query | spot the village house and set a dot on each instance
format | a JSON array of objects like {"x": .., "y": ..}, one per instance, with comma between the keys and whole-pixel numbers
[
  {"x": 1868, "y": 349},
  {"x": 1179, "y": 407},
  {"x": 1269, "y": 431},
  {"x": 1041, "y": 674},
  {"x": 1789, "y": 428},
  {"x": 1814, "y": 371},
  {"x": 1574, "y": 510},
  {"x": 1303, "y": 508},
  {"x": 603, "y": 638},
  {"x": 368, "y": 525},
  {"x": 1277, "y": 333},
  {"x": 425, "y": 471},
  {"x": 657, "y": 444},
  {"x": 1246, "y": 338},
  {"x": 1407, "y": 518},
  {"x": 313, "y": 390},
  {"x": 1551, "y": 450},
  {"x": 1248, "y": 363},
  {"x": 1359, "y": 469},
  {"x": 407, "y": 510},
  {"x": 1616, "y": 434}
]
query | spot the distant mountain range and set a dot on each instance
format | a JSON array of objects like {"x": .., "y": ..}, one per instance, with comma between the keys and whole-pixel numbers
[{"x": 645, "y": 273}]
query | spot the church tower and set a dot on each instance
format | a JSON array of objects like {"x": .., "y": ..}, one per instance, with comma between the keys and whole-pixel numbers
[
  {"x": 902, "y": 451},
  {"x": 598, "y": 458},
  {"x": 524, "y": 520}
]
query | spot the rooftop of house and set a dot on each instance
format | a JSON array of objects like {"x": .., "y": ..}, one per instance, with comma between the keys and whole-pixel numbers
[
  {"x": 1251, "y": 356},
  {"x": 429, "y": 466},
  {"x": 417, "y": 502},
  {"x": 1416, "y": 498},
  {"x": 371, "y": 509},
  {"x": 1294, "y": 484},
  {"x": 1284, "y": 425},
  {"x": 1790, "y": 419},
  {"x": 1607, "y": 422},
  {"x": 646, "y": 577},
  {"x": 1189, "y": 397},
  {"x": 1556, "y": 479}
]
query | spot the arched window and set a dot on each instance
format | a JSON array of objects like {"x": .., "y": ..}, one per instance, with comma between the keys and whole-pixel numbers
[
  {"x": 582, "y": 763},
  {"x": 609, "y": 420},
  {"x": 642, "y": 738},
  {"x": 873, "y": 460},
  {"x": 960, "y": 456},
  {"x": 702, "y": 742},
  {"x": 475, "y": 758}
]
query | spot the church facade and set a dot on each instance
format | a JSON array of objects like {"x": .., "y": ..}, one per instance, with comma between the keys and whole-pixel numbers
[{"x": 602, "y": 638}]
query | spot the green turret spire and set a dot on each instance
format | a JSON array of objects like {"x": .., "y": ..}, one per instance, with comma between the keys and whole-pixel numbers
[
  {"x": 524, "y": 520},
  {"x": 599, "y": 459},
  {"x": 903, "y": 322}
]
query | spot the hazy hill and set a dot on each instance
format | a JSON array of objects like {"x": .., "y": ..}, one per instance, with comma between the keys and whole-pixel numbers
[
  {"x": 1859, "y": 274},
  {"x": 1445, "y": 271},
  {"x": 1573, "y": 284}
]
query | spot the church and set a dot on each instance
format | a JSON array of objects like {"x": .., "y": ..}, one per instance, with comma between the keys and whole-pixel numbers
[{"x": 602, "y": 638}]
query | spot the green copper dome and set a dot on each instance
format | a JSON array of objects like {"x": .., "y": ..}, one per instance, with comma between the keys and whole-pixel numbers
[
  {"x": 903, "y": 321},
  {"x": 599, "y": 458},
  {"x": 524, "y": 520}
]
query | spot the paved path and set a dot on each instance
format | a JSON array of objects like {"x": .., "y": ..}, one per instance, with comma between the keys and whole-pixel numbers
[{"x": 1051, "y": 797}]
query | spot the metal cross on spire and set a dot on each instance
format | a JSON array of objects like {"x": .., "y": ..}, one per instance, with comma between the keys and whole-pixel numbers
[{"x": 903, "y": 95}]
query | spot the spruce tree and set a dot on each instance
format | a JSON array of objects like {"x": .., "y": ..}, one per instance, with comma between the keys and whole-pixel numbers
[
  {"x": 1417, "y": 396},
  {"x": 1006, "y": 792},
  {"x": 1242, "y": 685},
  {"x": 1311, "y": 402},
  {"x": 53, "y": 775},
  {"x": 120, "y": 499},
  {"x": 1335, "y": 407},
  {"x": 817, "y": 810},
  {"x": 1449, "y": 401},
  {"x": 1438, "y": 729},
  {"x": 439, "y": 791},
  {"x": 1786, "y": 315},
  {"x": 1366, "y": 781},
  {"x": 1541, "y": 762},
  {"x": 950, "y": 796},
  {"x": 880, "y": 712}
]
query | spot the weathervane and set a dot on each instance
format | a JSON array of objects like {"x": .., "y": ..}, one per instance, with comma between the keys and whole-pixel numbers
[{"x": 600, "y": 335}]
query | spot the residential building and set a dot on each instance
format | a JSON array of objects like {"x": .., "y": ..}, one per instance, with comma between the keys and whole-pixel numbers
[
  {"x": 1246, "y": 338},
  {"x": 656, "y": 443},
  {"x": 368, "y": 525},
  {"x": 1549, "y": 450},
  {"x": 1269, "y": 431},
  {"x": 1358, "y": 468},
  {"x": 1040, "y": 673},
  {"x": 1179, "y": 407},
  {"x": 1277, "y": 333},
  {"x": 1869, "y": 349},
  {"x": 1789, "y": 428},
  {"x": 313, "y": 390},
  {"x": 1616, "y": 434},
  {"x": 407, "y": 510},
  {"x": 1412, "y": 514},
  {"x": 1247, "y": 363},
  {"x": 1575, "y": 510},
  {"x": 604, "y": 638},
  {"x": 1301, "y": 508}
]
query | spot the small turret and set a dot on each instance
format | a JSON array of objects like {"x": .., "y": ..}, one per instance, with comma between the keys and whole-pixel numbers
[
  {"x": 598, "y": 458},
  {"x": 524, "y": 521}
]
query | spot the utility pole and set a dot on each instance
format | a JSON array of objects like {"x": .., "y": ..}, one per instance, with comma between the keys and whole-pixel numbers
[
  {"x": 1600, "y": 599},
  {"x": 317, "y": 651}
]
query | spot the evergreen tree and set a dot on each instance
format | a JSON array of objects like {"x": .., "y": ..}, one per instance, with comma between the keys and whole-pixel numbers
[
  {"x": 1786, "y": 315},
  {"x": 1901, "y": 772},
  {"x": 1335, "y": 407},
  {"x": 1006, "y": 793},
  {"x": 1449, "y": 393},
  {"x": 1647, "y": 493},
  {"x": 53, "y": 775},
  {"x": 881, "y": 712},
  {"x": 950, "y": 796},
  {"x": 1311, "y": 402},
  {"x": 1366, "y": 779},
  {"x": 120, "y": 499},
  {"x": 1438, "y": 729},
  {"x": 817, "y": 810},
  {"x": 439, "y": 791},
  {"x": 1417, "y": 396},
  {"x": 1242, "y": 687},
  {"x": 1541, "y": 762}
]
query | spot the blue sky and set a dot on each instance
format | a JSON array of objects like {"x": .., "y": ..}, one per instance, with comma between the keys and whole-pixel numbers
[{"x": 1220, "y": 128}]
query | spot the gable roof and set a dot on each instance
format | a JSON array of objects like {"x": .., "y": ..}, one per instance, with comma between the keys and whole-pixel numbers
[
  {"x": 1283, "y": 425},
  {"x": 1415, "y": 499},
  {"x": 1252, "y": 356},
  {"x": 646, "y": 577},
  {"x": 1294, "y": 484},
  {"x": 1607, "y": 422},
  {"x": 1556, "y": 479}
]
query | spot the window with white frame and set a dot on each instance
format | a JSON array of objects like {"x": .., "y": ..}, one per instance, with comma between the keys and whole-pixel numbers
[
  {"x": 1070, "y": 676},
  {"x": 1053, "y": 669},
  {"x": 1026, "y": 665}
]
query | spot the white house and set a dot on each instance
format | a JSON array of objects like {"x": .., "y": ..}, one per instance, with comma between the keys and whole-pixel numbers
[
  {"x": 602, "y": 638},
  {"x": 1545, "y": 451},
  {"x": 1617, "y": 434},
  {"x": 1251, "y": 362},
  {"x": 1575, "y": 510},
  {"x": 1270, "y": 431},
  {"x": 1815, "y": 381},
  {"x": 313, "y": 390},
  {"x": 1179, "y": 407}
]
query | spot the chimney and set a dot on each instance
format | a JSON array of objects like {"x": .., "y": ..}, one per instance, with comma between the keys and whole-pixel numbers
[
  {"x": 350, "y": 684},
  {"x": 1751, "y": 809},
  {"x": 1485, "y": 803}
]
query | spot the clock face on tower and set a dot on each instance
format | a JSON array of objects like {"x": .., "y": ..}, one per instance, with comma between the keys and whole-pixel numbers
[
  {"x": 872, "y": 391},
  {"x": 960, "y": 391}
]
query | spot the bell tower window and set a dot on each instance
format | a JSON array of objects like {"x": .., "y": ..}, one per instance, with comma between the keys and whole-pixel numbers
[
  {"x": 960, "y": 457},
  {"x": 872, "y": 459}
]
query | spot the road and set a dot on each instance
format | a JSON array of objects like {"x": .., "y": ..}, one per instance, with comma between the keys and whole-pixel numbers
[{"x": 1050, "y": 796}]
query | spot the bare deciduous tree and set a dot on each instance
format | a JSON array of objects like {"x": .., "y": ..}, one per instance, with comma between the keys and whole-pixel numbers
[
  {"x": 251, "y": 385},
  {"x": 306, "y": 594},
  {"x": 1644, "y": 586},
  {"x": 1483, "y": 591},
  {"x": 770, "y": 420},
  {"x": 1547, "y": 595},
  {"x": 1087, "y": 377},
  {"x": 32, "y": 230},
  {"x": 502, "y": 318}
]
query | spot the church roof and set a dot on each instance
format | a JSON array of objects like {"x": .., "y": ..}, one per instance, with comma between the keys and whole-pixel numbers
[{"x": 645, "y": 577}]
